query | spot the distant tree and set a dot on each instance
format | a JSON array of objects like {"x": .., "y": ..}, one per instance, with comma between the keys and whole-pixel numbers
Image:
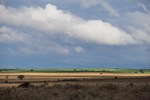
[
  {"x": 75, "y": 70},
  {"x": 141, "y": 71},
  {"x": 31, "y": 70},
  {"x": 20, "y": 77}
]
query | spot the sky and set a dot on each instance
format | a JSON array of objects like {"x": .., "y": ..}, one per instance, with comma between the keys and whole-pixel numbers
[{"x": 74, "y": 33}]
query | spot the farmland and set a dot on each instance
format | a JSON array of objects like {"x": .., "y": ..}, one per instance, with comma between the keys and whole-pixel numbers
[
  {"x": 75, "y": 84},
  {"x": 48, "y": 70}
]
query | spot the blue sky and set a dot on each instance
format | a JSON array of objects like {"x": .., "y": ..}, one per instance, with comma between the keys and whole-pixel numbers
[{"x": 74, "y": 33}]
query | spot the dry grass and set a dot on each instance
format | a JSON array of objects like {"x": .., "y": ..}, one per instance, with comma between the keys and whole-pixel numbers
[
  {"x": 50, "y": 76},
  {"x": 77, "y": 91},
  {"x": 75, "y": 74},
  {"x": 76, "y": 86}
]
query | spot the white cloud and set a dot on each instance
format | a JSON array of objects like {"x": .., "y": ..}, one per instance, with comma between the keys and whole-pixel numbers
[
  {"x": 79, "y": 49},
  {"x": 143, "y": 7},
  {"x": 103, "y": 3},
  {"x": 26, "y": 44},
  {"x": 139, "y": 26},
  {"x": 90, "y": 3},
  {"x": 53, "y": 21},
  {"x": 110, "y": 9},
  {"x": 8, "y": 35},
  {"x": 141, "y": 36}
]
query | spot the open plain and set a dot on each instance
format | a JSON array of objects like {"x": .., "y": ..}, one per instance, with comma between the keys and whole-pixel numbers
[{"x": 74, "y": 86}]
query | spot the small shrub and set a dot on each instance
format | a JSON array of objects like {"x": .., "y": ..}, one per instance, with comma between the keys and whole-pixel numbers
[
  {"x": 130, "y": 85},
  {"x": 110, "y": 86},
  {"x": 20, "y": 77},
  {"x": 7, "y": 76},
  {"x": 71, "y": 80},
  {"x": 6, "y": 81},
  {"x": 76, "y": 86},
  {"x": 25, "y": 85}
]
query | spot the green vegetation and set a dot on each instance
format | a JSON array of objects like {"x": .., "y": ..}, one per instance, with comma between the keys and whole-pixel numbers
[{"x": 101, "y": 70}]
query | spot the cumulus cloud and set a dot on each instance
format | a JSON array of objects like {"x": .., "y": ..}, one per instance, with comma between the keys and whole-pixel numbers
[
  {"x": 54, "y": 21},
  {"x": 103, "y": 3}
]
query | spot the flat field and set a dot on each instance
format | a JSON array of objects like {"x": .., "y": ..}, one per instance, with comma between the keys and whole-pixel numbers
[{"x": 75, "y": 84}]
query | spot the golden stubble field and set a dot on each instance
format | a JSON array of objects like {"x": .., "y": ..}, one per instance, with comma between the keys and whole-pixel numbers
[
  {"x": 74, "y": 74},
  {"x": 81, "y": 77}
]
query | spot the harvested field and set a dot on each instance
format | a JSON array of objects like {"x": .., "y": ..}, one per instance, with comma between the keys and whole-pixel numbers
[
  {"x": 12, "y": 77},
  {"x": 75, "y": 74}
]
